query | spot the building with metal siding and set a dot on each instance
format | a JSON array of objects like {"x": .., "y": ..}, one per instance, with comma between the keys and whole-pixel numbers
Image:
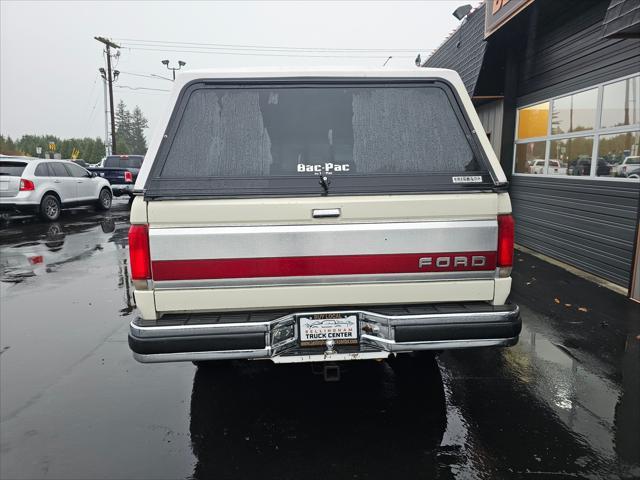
[{"x": 550, "y": 66}]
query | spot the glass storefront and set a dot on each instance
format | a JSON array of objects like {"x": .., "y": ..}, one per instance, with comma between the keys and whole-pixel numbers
[{"x": 591, "y": 133}]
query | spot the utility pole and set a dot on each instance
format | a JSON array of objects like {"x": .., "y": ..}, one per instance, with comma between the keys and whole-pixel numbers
[
  {"x": 109, "y": 45},
  {"x": 107, "y": 147}
]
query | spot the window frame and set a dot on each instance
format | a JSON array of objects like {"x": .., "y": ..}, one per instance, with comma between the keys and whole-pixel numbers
[{"x": 596, "y": 132}]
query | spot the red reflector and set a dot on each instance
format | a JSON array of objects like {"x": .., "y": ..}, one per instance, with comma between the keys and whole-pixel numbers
[
  {"x": 26, "y": 185},
  {"x": 139, "y": 252},
  {"x": 36, "y": 260},
  {"x": 128, "y": 177},
  {"x": 505, "y": 240}
]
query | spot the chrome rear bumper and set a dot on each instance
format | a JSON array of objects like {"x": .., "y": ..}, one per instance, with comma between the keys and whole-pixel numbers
[{"x": 381, "y": 334}]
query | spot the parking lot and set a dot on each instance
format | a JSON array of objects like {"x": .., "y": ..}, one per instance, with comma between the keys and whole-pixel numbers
[{"x": 563, "y": 403}]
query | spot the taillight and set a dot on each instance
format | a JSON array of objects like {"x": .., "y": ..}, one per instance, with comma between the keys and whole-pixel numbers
[
  {"x": 624, "y": 169},
  {"x": 505, "y": 244},
  {"x": 128, "y": 177},
  {"x": 139, "y": 256},
  {"x": 38, "y": 259},
  {"x": 26, "y": 185}
]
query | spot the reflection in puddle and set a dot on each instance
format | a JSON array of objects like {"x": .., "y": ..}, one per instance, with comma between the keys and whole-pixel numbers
[
  {"x": 583, "y": 401},
  {"x": 255, "y": 417},
  {"x": 52, "y": 246}
]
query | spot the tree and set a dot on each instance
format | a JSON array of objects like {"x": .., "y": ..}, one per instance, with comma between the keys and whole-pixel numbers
[
  {"x": 130, "y": 127},
  {"x": 91, "y": 149},
  {"x": 7, "y": 147},
  {"x": 138, "y": 124},
  {"x": 123, "y": 128}
]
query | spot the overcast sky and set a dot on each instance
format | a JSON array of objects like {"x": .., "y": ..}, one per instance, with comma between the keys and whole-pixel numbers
[{"x": 49, "y": 80}]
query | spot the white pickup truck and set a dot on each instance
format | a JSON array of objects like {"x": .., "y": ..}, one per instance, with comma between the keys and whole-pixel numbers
[{"x": 320, "y": 216}]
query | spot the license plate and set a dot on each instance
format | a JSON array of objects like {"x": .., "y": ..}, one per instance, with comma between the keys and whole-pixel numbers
[{"x": 317, "y": 329}]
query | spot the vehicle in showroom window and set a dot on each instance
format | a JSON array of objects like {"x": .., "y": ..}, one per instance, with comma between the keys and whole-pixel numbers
[
  {"x": 46, "y": 187},
  {"x": 320, "y": 216}
]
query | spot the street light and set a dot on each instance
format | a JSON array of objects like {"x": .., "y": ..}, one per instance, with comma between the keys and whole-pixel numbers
[
  {"x": 461, "y": 14},
  {"x": 462, "y": 11},
  {"x": 173, "y": 69}
]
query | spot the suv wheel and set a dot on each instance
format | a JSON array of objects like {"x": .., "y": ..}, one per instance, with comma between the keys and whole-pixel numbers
[
  {"x": 104, "y": 199},
  {"x": 50, "y": 207}
]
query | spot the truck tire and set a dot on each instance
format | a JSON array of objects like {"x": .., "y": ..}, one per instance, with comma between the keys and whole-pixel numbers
[
  {"x": 50, "y": 207},
  {"x": 104, "y": 199}
]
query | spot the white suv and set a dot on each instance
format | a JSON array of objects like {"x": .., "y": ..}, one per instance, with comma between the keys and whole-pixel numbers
[{"x": 31, "y": 185}]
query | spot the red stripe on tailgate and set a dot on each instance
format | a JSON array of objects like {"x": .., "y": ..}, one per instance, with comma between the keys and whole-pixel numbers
[{"x": 322, "y": 265}]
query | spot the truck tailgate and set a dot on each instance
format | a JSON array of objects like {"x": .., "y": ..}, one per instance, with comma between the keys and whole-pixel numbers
[{"x": 272, "y": 253}]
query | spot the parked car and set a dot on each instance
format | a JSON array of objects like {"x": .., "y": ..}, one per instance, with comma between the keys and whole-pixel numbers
[
  {"x": 555, "y": 167},
  {"x": 632, "y": 173},
  {"x": 279, "y": 199},
  {"x": 121, "y": 171},
  {"x": 624, "y": 168},
  {"x": 582, "y": 167},
  {"x": 45, "y": 187},
  {"x": 537, "y": 167},
  {"x": 82, "y": 163}
]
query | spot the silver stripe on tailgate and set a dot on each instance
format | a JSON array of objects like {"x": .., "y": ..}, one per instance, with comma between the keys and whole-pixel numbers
[
  {"x": 193, "y": 243},
  {"x": 323, "y": 280}
]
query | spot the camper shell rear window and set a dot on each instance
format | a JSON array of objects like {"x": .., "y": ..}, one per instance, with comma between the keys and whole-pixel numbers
[{"x": 231, "y": 139}]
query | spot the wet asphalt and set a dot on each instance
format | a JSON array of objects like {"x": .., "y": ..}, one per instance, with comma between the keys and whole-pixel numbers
[{"x": 563, "y": 403}]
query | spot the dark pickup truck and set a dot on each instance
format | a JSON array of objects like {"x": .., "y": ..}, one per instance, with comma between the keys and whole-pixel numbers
[{"x": 121, "y": 171}]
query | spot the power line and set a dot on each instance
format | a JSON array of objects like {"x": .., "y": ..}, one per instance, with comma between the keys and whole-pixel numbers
[
  {"x": 145, "y": 75},
  {"x": 227, "y": 46},
  {"x": 263, "y": 54},
  {"x": 142, "y": 88}
]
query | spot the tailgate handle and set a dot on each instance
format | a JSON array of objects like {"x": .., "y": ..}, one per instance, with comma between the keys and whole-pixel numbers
[{"x": 325, "y": 212}]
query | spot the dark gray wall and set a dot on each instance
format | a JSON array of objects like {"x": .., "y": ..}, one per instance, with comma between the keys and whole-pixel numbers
[
  {"x": 567, "y": 51},
  {"x": 587, "y": 223}
]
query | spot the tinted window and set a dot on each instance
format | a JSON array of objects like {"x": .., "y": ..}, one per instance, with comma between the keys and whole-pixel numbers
[
  {"x": 58, "y": 169},
  {"x": 295, "y": 131},
  {"x": 42, "y": 170},
  {"x": 124, "y": 161},
  {"x": 12, "y": 169},
  {"x": 76, "y": 170}
]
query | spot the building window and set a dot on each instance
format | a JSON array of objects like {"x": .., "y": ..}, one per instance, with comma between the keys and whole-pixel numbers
[
  {"x": 621, "y": 103},
  {"x": 573, "y": 156},
  {"x": 574, "y": 113},
  {"x": 593, "y": 133},
  {"x": 533, "y": 121},
  {"x": 530, "y": 157},
  {"x": 621, "y": 152}
]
